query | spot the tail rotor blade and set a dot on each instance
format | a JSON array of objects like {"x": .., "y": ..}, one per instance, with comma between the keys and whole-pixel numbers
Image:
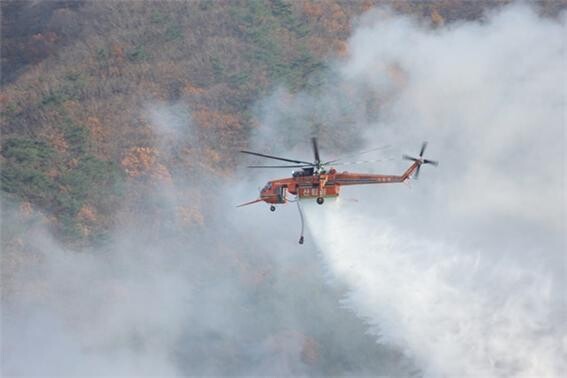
[
  {"x": 407, "y": 157},
  {"x": 423, "y": 147},
  {"x": 420, "y": 161}
]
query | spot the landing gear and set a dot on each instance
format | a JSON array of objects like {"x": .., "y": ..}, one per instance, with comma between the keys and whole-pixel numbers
[
  {"x": 320, "y": 200},
  {"x": 272, "y": 208}
]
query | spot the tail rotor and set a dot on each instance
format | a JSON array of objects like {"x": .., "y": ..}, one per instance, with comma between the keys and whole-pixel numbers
[{"x": 420, "y": 160}]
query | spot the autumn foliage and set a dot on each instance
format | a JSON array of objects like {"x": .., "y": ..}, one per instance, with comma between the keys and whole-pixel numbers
[{"x": 77, "y": 86}]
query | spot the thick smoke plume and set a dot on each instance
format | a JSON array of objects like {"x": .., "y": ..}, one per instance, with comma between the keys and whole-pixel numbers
[
  {"x": 187, "y": 284},
  {"x": 466, "y": 271}
]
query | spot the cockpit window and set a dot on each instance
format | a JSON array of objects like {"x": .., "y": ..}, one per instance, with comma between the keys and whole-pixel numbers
[{"x": 267, "y": 187}]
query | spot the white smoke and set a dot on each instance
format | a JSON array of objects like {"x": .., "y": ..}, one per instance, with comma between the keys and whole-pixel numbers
[
  {"x": 186, "y": 285},
  {"x": 466, "y": 271}
]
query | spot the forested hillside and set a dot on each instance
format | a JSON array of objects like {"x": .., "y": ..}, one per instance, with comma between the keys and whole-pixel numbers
[{"x": 77, "y": 74}]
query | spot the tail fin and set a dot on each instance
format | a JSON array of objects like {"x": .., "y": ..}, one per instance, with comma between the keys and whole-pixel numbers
[{"x": 250, "y": 203}]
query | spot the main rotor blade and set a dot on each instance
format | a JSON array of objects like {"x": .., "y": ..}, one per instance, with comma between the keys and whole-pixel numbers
[
  {"x": 423, "y": 146},
  {"x": 279, "y": 166},
  {"x": 276, "y": 157},
  {"x": 357, "y": 154},
  {"x": 315, "y": 150},
  {"x": 416, "y": 176},
  {"x": 432, "y": 162},
  {"x": 359, "y": 162}
]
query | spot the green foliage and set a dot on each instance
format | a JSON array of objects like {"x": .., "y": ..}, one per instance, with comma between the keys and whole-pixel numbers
[
  {"x": 70, "y": 89},
  {"x": 26, "y": 162},
  {"x": 23, "y": 172},
  {"x": 91, "y": 175},
  {"x": 27, "y": 182},
  {"x": 9, "y": 110},
  {"x": 283, "y": 12},
  {"x": 159, "y": 18},
  {"x": 238, "y": 79},
  {"x": 266, "y": 43},
  {"x": 263, "y": 23},
  {"x": 28, "y": 152},
  {"x": 218, "y": 68},
  {"x": 137, "y": 54},
  {"x": 77, "y": 136},
  {"x": 173, "y": 32},
  {"x": 102, "y": 54},
  {"x": 54, "y": 98},
  {"x": 205, "y": 5},
  {"x": 69, "y": 229}
]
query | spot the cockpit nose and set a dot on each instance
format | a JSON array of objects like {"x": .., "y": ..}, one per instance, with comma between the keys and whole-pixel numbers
[{"x": 266, "y": 188}]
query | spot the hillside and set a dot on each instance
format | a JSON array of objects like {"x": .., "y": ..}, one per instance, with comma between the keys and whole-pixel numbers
[{"x": 78, "y": 76}]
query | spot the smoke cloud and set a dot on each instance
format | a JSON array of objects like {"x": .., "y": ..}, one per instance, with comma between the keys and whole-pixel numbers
[
  {"x": 187, "y": 284},
  {"x": 465, "y": 272}
]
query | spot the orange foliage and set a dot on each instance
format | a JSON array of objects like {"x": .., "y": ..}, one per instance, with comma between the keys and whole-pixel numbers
[
  {"x": 53, "y": 172},
  {"x": 211, "y": 155},
  {"x": 73, "y": 163},
  {"x": 139, "y": 160},
  {"x": 191, "y": 215},
  {"x": 436, "y": 18},
  {"x": 26, "y": 209},
  {"x": 337, "y": 21},
  {"x": 329, "y": 15},
  {"x": 4, "y": 99},
  {"x": 341, "y": 48},
  {"x": 57, "y": 140},
  {"x": 87, "y": 214},
  {"x": 313, "y": 9},
  {"x": 72, "y": 107},
  {"x": 143, "y": 161},
  {"x": 95, "y": 127},
  {"x": 117, "y": 52},
  {"x": 367, "y": 5},
  {"x": 192, "y": 90},
  {"x": 216, "y": 120}
]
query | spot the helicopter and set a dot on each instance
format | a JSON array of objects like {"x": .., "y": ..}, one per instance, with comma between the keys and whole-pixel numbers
[{"x": 319, "y": 180}]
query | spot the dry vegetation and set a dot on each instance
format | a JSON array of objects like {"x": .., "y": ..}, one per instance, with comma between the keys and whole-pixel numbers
[{"x": 78, "y": 74}]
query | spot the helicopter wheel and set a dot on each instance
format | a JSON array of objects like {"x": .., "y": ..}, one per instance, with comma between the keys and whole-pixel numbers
[
  {"x": 320, "y": 200},
  {"x": 272, "y": 208}
]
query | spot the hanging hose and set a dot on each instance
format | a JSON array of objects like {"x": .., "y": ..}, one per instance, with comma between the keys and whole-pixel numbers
[
  {"x": 302, "y": 223},
  {"x": 296, "y": 200}
]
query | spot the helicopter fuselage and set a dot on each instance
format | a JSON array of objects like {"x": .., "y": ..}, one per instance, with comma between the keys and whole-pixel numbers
[{"x": 323, "y": 185}]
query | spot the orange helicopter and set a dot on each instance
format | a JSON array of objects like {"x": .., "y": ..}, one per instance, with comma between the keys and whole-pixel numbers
[{"x": 315, "y": 181}]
